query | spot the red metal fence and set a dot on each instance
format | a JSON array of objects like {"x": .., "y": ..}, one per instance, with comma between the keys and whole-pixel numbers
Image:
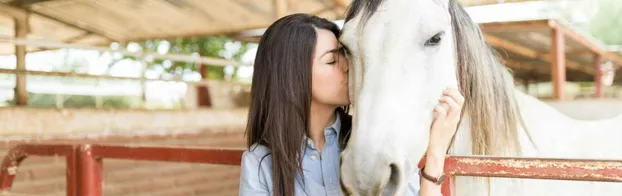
[
  {"x": 17, "y": 154},
  {"x": 84, "y": 164}
]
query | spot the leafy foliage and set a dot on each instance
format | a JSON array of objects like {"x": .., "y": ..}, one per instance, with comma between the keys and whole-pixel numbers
[
  {"x": 214, "y": 46},
  {"x": 607, "y": 23}
]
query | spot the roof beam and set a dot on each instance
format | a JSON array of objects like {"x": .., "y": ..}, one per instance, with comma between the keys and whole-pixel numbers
[
  {"x": 530, "y": 53},
  {"x": 12, "y": 11},
  {"x": 515, "y": 26},
  {"x": 26, "y": 3},
  {"x": 519, "y": 65},
  {"x": 251, "y": 6},
  {"x": 548, "y": 24},
  {"x": 15, "y": 11},
  {"x": 586, "y": 42}
]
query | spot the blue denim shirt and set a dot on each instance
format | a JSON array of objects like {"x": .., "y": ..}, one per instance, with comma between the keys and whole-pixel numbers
[{"x": 321, "y": 176}]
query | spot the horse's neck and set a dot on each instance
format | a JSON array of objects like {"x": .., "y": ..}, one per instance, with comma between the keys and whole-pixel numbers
[
  {"x": 554, "y": 134},
  {"x": 557, "y": 135}
]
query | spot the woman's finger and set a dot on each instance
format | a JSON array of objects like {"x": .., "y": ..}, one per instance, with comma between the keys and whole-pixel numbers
[
  {"x": 454, "y": 108},
  {"x": 455, "y": 94},
  {"x": 440, "y": 112}
]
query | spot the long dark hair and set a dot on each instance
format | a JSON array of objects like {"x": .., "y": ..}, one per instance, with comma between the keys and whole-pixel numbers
[{"x": 281, "y": 95}]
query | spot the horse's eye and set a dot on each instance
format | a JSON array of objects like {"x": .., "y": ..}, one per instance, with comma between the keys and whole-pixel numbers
[{"x": 435, "y": 40}]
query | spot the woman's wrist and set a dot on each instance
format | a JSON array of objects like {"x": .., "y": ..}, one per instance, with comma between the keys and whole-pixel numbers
[{"x": 435, "y": 163}]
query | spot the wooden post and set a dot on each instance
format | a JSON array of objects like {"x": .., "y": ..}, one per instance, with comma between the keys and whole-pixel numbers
[
  {"x": 526, "y": 82},
  {"x": 143, "y": 86},
  {"x": 280, "y": 8},
  {"x": 21, "y": 31},
  {"x": 203, "y": 94},
  {"x": 558, "y": 64},
  {"x": 598, "y": 76}
]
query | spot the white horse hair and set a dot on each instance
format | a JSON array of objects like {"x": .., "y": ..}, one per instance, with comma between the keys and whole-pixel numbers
[{"x": 403, "y": 54}]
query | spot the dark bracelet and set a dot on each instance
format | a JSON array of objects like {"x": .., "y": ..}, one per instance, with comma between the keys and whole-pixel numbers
[{"x": 436, "y": 180}]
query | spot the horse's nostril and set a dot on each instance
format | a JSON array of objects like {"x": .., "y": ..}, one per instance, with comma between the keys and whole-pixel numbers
[{"x": 394, "y": 180}]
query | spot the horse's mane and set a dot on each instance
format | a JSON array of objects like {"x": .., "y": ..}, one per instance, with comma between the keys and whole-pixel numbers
[
  {"x": 368, "y": 7},
  {"x": 488, "y": 89}
]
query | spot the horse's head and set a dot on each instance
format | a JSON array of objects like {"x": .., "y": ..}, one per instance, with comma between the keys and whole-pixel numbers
[
  {"x": 402, "y": 58},
  {"x": 403, "y": 54}
]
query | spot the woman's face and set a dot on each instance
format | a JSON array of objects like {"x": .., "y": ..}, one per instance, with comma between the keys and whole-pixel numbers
[{"x": 330, "y": 71}]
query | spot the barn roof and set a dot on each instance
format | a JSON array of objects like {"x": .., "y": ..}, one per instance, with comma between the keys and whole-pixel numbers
[
  {"x": 526, "y": 47},
  {"x": 96, "y": 22}
]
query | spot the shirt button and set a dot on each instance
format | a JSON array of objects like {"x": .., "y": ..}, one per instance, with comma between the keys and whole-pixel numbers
[{"x": 313, "y": 157}]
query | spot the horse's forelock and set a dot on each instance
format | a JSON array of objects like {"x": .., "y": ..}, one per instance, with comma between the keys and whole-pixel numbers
[
  {"x": 488, "y": 90},
  {"x": 365, "y": 7}
]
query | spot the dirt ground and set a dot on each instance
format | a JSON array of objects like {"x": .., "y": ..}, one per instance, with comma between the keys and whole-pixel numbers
[{"x": 589, "y": 109}]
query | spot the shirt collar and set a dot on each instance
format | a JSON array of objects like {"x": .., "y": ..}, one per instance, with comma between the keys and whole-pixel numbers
[
  {"x": 333, "y": 128},
  {"x": 336, "y": 126}
]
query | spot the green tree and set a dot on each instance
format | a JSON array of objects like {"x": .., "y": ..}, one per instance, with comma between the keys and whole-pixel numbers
[
  {"x": 600, "y": 18},
  {"x": 212, "y": 46},
  {"x": 607, "y": 23}
]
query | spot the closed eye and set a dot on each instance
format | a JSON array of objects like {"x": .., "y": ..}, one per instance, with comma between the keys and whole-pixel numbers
[{"x": 435, "y": 40}]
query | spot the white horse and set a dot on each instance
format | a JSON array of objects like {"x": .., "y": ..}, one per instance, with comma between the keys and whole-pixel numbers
[{"x": 404, "y": 53}]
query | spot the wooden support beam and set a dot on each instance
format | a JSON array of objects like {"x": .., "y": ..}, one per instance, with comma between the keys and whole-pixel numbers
[
  {"x": 252, "y": 7},
  {"x": 12, "y": 12},
  {"x": 81, "y": 75},
  {"x": 579, "y": 52},
  {"x": 203, "y": 92},
  {"x": 515, "y": 26},
  {"x": 155, "y": 55},
  {"x": 522, "y": 66},
  {"x": 531, "y": 53},
  {"x": 592, "y": 45},
  {"x": 559, "y": 64},
  {"x": 598, "y": 76},
  {"x": 16, "y": 11},
  {"x": 26, "y": 3},
  {"x": 280, "y": 8},
  {"x": 20, "y": 95}
]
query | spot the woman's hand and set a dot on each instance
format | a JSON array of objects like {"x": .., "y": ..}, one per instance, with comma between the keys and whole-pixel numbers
[
  {"x": 443, "y": 129},
  {"x": 441, "y": 132},
  {"x": 444, "y": 126}
]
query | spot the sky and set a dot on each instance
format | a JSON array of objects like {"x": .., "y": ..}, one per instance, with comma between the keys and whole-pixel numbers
[{"x": 171, "y": 91}]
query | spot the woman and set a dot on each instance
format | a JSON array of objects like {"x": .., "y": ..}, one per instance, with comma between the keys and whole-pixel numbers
[{"x": 298, "y": 122}]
